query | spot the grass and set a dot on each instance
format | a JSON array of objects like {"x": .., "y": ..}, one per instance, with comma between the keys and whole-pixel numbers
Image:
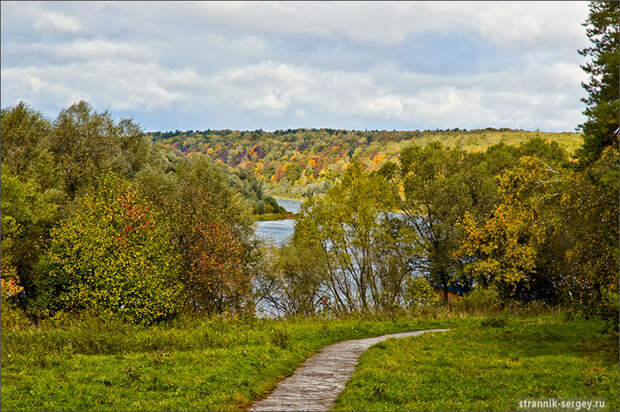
[
  {"x": 487, "y": 365},
  {"x": 226, "y": 364},
  {"x": 208, "y": 364}
]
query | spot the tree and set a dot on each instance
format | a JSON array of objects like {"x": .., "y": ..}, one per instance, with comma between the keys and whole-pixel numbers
[
  {"x": 363, "y": 249},
  {"x": 293, "y": 281},
  {"x": 27, "y": 214},
  {"x": 439, "y": 185},
  {"x": 211, "y": 227},
  {"x": 86, "y": 144},
  {"x": 553, "y": 236},
  {"x": 589, "y": 210},
  {"x": 504, "y": 245},
  {"x": 114, "y": 256},
  {"x": 601, "y": 127},
  {"x": 23, "y": 133}
]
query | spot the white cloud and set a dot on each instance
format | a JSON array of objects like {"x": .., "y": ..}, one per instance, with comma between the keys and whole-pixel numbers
[
  {"x": 276, "y": 90},
  {"x": 49, "y": 20},
  {"x": 99, "y": 49}
]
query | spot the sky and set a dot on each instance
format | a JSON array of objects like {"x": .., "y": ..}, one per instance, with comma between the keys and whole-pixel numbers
[{"x": 272, "y": 65}]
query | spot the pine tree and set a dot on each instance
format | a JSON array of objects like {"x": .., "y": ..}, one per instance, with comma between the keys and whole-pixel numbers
[{"x": 601, "y": 128}]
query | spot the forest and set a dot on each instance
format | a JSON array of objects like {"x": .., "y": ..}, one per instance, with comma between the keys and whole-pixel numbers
[{"x": 296, "y": 163}]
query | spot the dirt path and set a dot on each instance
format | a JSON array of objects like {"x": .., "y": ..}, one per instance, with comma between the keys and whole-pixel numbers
[{"x": 317, "y": 383}]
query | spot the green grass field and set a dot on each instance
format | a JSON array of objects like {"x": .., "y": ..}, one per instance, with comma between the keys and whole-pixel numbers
[
  {"x": 218, "y": 364},
  {"x": 488, "y": 367},
  {"x": 193, "y": 365}
]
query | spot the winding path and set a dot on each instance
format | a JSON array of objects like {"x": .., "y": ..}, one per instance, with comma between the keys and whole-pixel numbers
[{"x": 317, "y": 383}]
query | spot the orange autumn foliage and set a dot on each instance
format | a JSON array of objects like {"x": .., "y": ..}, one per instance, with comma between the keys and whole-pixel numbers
[{"x": 217, "y": 277}]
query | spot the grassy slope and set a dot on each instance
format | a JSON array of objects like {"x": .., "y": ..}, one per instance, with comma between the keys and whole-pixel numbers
[
  {"x": 487, "y": 368},
  {"x": 198, "y": 365},
  {"x": 224, "y": 365}
]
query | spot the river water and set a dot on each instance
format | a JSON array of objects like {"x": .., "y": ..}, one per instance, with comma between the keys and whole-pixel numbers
[{"x": 277, "y": 231}]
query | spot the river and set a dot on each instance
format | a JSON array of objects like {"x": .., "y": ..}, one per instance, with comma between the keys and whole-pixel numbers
[{"x": 277, "y": 231}]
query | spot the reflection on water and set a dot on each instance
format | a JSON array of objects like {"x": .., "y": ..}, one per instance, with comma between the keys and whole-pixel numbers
[{"x": 277, "y": 231}]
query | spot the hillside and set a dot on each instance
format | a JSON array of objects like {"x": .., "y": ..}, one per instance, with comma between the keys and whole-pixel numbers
[{"x": 294, "y": 162}]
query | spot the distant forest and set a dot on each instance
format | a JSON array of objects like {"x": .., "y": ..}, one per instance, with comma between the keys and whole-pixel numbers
[{"x": 299, "y": 162}]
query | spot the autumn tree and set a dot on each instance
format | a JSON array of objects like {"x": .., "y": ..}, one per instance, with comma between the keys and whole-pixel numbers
[
  {"x": 504, "y": 246},
  {"x": 113, "y": 256},
  {"x": 212, "y": 227},
  {"x": 364, "y": 250},
  {"x": 438, "y": 186}
]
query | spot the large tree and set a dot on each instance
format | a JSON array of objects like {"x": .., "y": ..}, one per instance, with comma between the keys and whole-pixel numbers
[
  {"x": 363, "y": 249},
  {"x": 439, "y": 185},
  {"x": 601, "y": 127}
]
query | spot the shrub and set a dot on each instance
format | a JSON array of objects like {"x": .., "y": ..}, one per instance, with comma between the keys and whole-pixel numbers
[
  {"x": 609, "y": 313},
  {"x": 480, "y": 300},
  {"x": 111, "y": 256},
  {"x": 12, "y": 317},
  {"x": 419, "y": 293}
]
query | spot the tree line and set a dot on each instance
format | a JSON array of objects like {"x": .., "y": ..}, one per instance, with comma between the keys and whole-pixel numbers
[
  {"x": 302, "y": 162},
  {"x": 522, "y": 221},
  {"x": 97, "y": 217}
]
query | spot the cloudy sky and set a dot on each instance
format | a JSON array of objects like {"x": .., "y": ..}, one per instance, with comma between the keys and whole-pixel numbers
[{"x": 200, "y": 65}]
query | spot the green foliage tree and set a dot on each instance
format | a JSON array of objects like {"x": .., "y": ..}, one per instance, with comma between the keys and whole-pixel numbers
[
  {"x": 26, "y": 215},
  {"x": 364, "y": 251},
  {"x": 113, "y": 256},
  {"x": 86, "y": 144},
  {"x": 24, "y": 132},
  {"x": 439, "y": 185},
  {"x": 293, "y": 281},
  {"x": 601, "y": 127},
  {"x": 589, "y": 209}
]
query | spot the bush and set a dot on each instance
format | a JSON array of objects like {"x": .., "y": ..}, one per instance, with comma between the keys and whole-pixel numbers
[
  {"x": 112, "y": 256},
  {"x": 480, "y": 300},
  {"x": 609, "y": 313},
  {"x": 419, "y": 293},
  {"x": 11, "y": 316}
]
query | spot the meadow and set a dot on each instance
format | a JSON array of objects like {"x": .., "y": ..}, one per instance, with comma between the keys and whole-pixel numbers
[
  {"x": 489, "y": 365},
  {"x": 486, "y": 362},
  {"x": 190, "y": 364}
]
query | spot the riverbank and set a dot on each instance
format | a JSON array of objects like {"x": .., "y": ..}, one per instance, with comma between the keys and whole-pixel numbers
[{"x": 275, "y": 216}]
